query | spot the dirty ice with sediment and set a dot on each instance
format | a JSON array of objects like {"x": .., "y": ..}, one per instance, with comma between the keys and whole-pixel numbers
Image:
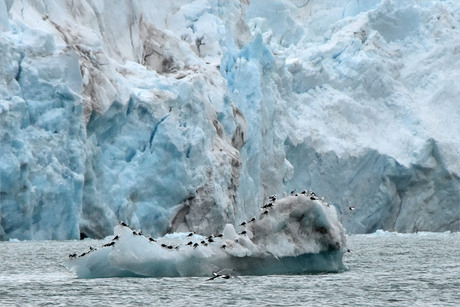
[{"x": 184, "y": 116}]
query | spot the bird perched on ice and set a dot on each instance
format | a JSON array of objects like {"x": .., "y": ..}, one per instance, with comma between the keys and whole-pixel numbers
[
  {"x": 351, "y": 208},
  {"x": 267, "y": 205}
]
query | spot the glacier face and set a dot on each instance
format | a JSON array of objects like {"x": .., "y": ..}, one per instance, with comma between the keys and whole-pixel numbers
[{"x": 186, "y": 115}]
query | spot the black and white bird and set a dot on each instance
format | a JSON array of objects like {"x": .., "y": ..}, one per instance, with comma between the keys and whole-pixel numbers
[{"x": 224, "y": 274}]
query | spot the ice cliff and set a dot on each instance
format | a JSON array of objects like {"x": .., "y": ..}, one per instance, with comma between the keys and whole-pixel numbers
[{"x": 183, "y": 116}]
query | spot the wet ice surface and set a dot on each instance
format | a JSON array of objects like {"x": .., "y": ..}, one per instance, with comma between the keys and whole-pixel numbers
[{"x": 401, "y": 270}]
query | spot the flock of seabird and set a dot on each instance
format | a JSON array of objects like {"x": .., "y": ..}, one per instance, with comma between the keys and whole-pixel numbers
[{"x": 212, "y": 238}]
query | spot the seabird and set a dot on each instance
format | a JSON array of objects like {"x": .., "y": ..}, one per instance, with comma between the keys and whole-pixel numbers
[
  {"x": 220, "y": 235},
  {"x": 115, "y": 238},
  {"x": 243, "y": 232},
  {"x": 303, "y": 192},
  {"x": 351, "y": 208},
  {"x": 72, "y": 255},
  {"x": 292, "y": 192},
  {"x": 109, "y": 244},
  {"x": 123, "y": 224},
  {"x": 134, "y": 232},
  {"x": 190, "y": 234},
  {"x": 170, "y": 246},
  {"x": 252, "y": 220},
  {"x": 164, "y": 245},
  {"x": 223, "y": 273},
  {"x": 265, "y": 212},
  {"x": 223, "y": 246},
  {"x": 152, "y": 240},
  {"x": 242, "y": 224},
  {"x": 195, "y": 245},
  {"x": 215, "y": 276},
  {"x": 267, "y": 205},
  {"x": 210, "y": 240},
  {"x": 203, "y": 242},
  {"x": 313, "y": 197},
  {"x": 190, "y": 243}
]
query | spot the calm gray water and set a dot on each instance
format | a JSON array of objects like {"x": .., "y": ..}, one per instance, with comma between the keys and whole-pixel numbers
[{"x": 384, "y": 270}]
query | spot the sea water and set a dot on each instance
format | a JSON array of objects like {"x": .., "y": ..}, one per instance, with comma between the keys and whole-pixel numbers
[{"x": 384, "y": 269}]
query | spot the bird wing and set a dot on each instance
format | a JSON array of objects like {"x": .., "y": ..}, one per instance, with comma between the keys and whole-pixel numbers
[{"x": 214, "y": 277}]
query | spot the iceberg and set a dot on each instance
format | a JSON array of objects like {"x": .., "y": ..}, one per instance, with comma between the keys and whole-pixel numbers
[{"x": 298, "y": 234}]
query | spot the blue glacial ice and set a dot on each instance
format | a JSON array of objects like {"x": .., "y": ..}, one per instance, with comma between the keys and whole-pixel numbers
[
  {"x": 298, "y": 234},
  {"x": 184, "y": 116}
]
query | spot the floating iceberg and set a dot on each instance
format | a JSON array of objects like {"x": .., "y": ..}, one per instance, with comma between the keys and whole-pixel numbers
[{"x": 298, "y": 234}]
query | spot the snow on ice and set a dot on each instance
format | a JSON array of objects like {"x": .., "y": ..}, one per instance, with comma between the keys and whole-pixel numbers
[
  {"x": 298, "y": 234},
  {"x": 184, "y": 116}
]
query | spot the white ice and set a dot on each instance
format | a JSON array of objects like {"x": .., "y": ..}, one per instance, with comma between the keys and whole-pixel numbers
[
  {"x": 298, "y": 235},
  {"x": 185, "y": 115}
]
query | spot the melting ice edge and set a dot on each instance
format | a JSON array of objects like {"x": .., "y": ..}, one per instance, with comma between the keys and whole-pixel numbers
[{"x": 298, "y": 234}]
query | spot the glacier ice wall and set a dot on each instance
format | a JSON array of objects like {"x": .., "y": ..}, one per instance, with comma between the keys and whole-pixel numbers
[{"x": 186, "y": 115}]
